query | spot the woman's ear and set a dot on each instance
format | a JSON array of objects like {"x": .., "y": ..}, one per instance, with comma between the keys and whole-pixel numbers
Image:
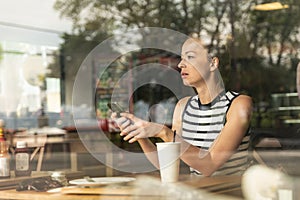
[{"x": 214, "y": 63}]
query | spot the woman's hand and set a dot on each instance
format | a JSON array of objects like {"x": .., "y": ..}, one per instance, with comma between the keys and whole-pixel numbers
[
  {"x": 122, "y": 122},
  {"x": 135, "y": 128}
]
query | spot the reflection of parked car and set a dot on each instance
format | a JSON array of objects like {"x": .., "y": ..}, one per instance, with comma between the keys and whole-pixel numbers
[
  {"x": 286, "y": 109},
  {"x": 279, "y": 139},
  {"x": 278, "y": 148}
]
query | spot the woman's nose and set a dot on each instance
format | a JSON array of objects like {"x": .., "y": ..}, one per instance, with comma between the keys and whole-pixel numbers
[{"x": 181, "y": 64}]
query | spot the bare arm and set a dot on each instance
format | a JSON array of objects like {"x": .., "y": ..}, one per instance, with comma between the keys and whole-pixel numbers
[{"x": 150, "y": 151}]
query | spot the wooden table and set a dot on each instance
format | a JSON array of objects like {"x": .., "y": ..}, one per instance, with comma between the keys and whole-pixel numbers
[
  {"x": 42, "y": 139},
  {"x": 37, "y": 138},
  {"x": 145, "y": 187}
]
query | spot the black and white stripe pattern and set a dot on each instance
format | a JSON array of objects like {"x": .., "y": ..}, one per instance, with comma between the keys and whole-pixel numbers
[{"x": 203, "y": 123}]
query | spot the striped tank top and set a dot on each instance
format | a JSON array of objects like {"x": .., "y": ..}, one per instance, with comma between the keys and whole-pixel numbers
[{"x": 201, "y": 125}]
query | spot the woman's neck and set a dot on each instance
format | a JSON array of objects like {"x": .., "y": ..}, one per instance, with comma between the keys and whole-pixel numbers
[
  {"x": 206, "y": 95},
  {"x": 209, "y": 89}
]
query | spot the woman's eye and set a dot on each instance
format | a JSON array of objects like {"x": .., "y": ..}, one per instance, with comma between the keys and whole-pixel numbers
[{"x": 190, "y": 57}]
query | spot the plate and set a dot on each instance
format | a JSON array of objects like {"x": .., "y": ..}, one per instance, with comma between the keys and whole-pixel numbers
[
  {"x": 58, "y": 190},
  {"x": 102, "y": 181},
  {"x": 54, "y": 190}
]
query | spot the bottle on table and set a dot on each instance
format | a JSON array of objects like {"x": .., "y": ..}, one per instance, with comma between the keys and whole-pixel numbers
[
  {"x": 2, "y": 131},
  {"x": 22, "y": 159},
  {"x": 4, "y": 160}
]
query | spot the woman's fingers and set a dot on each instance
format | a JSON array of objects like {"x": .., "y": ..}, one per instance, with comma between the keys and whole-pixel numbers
[
  {"x": 125, "y": 124},
  {"x": 129, "y": 116},
  {"x": 130, "y": 128},
  {"x": 134, "y": 135},
  {"x": 113, "y": 115},
  {"x": 130, "y": 131},
  {"x": 132, "y": 140},
  {"x": 127, "y": 137},
  {"x": 120, "y": 121},
  {"x": 137, "y": 134}
]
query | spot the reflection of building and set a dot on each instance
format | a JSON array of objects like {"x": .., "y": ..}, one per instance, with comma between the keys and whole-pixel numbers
[{"x": 23, "y": 71}]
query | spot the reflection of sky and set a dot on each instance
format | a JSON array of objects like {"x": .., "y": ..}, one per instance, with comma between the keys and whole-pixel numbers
[{"x": 31, "y": 21}]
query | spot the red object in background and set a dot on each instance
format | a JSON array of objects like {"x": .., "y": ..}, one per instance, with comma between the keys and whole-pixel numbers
[
  {"x": 108, "y": 125},
  {"x": 112, "y": 126},
  {"x": 103, "y": 124}
]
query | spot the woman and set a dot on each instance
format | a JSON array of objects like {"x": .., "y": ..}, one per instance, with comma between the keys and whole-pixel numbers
[{"x": 212, "y": 126}]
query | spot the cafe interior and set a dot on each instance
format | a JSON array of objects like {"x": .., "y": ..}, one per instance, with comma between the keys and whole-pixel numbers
[{"x": 63, "y": 62}]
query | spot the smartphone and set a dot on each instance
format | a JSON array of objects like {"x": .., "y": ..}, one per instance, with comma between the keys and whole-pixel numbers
[{"x": 115, "y": 107}]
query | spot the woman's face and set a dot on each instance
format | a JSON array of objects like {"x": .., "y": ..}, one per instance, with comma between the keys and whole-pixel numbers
[{"x": 194, "y": 64}]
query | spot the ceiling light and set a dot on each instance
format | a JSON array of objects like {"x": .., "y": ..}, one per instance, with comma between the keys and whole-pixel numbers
[{"x": 270, "y": 6}]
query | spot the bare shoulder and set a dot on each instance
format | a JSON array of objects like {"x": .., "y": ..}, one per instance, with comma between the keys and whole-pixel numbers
[
  {"x": 241, "y": 107},
  {"x": 182, "y": 102},
  {"x": 177, "y": 115},
  {"x": 243, "y": 101}
]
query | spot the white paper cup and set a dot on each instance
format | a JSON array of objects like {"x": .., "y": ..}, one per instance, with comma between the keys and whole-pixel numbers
[{"x": 168, "y": 157}]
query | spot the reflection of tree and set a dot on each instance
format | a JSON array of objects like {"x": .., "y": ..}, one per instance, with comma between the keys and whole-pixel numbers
[
  {"x": 277, "y": 31},
  {"x": 72, "y": 54},
  {"x": 257, "y": 49}
]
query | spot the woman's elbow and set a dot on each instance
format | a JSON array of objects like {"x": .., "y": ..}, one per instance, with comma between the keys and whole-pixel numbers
[{"x": 208, "y": 172}]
